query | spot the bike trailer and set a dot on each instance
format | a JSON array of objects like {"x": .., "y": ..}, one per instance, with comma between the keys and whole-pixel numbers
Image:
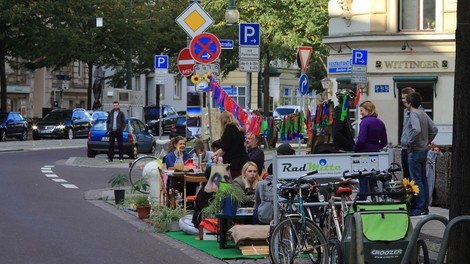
[{"x": 376, "y": 233}]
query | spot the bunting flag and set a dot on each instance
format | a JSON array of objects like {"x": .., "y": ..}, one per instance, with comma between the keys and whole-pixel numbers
[
  {"x": 344, "y": 109},
  {"x": 358, "y": 95}
]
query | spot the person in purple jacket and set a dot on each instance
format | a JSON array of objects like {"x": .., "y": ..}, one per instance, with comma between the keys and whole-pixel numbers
[{"x": 372, "y": 138}]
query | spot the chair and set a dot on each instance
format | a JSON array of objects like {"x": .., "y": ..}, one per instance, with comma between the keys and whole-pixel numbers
[{"x": 189, "y": 178}]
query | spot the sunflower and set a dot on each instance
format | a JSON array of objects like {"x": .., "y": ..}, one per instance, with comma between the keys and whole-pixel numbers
[
  {"x": 207, "y": 77},
  {"x": 410, "y": 186},
  {"x": 196, "y": 79}
]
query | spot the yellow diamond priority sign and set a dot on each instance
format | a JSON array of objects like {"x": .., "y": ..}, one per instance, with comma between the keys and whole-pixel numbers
[{"x": 194, "y": 20}]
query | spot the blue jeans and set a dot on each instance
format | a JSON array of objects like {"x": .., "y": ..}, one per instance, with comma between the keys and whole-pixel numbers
[
  {"x": 417, "y": 168},
  {"x": 366, "y": 184}
]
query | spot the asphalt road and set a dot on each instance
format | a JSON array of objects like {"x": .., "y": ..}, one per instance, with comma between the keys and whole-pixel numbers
[{"x": 44, "y": 217}]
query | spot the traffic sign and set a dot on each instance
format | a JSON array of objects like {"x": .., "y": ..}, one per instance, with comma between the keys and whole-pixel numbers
[
  {"x": 161, "y": 62},
  {"x": 249, "y": 34},
  {"x": 359, "y": 57},
  {"x": 304, "y": 53},
  {"x": 248, "y": 52},
  {"x": 226, "y": 44},
  {"x": 205, "y": 48},
  {"x": 185, "y": 62},
  {"x": 161, "y": 79},
  {"x": 194, "y": 20},
  {"x": 303, "y": 84},
  {"x": 249, "y": 65},
  {"x": 202, "y": 69}
]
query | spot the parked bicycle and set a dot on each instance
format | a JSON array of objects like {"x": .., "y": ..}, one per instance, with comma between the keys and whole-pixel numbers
[{"x": 297, "y": 238}]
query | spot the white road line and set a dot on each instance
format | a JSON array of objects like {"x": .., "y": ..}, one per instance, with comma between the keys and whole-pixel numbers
[
  {"x": 51, "y": 175},
  {"x": 59, "y": 180},
  {"x": 69, "y": 186},
  {"x": 46, "y": 171},
  {"x": 48, "y": 166}
]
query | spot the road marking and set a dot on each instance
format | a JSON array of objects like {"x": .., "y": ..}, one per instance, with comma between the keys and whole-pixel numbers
[
  {"x": 69, "y": 186},
  {"x": 59, "y": 180},
  {"x": 47, "y": 170}
]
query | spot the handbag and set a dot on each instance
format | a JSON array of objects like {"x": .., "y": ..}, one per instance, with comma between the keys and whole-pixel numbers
[{"x": 219, "y": 173}]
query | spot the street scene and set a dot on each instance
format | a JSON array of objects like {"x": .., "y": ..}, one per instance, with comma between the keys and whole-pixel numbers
[{"x": 223, "y": 131}]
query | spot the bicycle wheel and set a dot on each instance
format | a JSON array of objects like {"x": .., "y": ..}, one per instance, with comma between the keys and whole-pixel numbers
[
  {"x": 290, "y": 242},
  {"x": 336, "y": 255},
  {"x": 137, "y": 169},
  {"x": 422, "y": 252}
]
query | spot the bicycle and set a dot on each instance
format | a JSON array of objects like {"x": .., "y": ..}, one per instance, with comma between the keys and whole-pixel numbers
[{"x": 297, "y": 237}]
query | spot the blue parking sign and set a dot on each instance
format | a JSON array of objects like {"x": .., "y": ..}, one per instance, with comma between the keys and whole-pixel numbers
[
  {"x": 161, "y": 62},
  {"x": 359, "y": 57},
  {"x": 249, "y": 34}
]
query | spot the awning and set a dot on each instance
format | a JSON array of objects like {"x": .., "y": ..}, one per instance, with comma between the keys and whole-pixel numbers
[{"x": 432, "y": 79}]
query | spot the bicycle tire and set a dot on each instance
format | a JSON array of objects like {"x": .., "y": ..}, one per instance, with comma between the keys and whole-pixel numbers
[
  {"x": 136, "y": 170},
  {"x": 421, "y": 247},
  {"x": 336, "y": 253},
  {"x": 287, "y": 243}
]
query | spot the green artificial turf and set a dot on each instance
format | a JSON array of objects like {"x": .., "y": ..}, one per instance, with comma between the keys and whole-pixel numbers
[{"x": 211, "y": 247}]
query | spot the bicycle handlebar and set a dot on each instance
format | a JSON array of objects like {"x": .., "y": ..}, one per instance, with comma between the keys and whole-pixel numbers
[{"x": 358, "y": 175}]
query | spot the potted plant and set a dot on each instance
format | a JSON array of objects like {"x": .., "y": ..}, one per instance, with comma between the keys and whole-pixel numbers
[
  {"x": 166, "y": 218},
  {"x": 140, "y": 186},
  {"x": 142, "y": 206},
  {"x": 118, "y": 180},
  {"x": 225, "y": 200}
]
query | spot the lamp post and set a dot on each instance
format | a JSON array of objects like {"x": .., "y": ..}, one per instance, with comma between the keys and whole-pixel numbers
[
  {"x": 326, "y": 84},
  {"x": 231, "y": 14}
]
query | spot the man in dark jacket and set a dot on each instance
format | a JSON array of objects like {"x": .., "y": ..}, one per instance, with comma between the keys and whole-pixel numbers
[
  {"x": 115, "y": 125},
  {"x": 255, "y": 154},
  {"x": 343, "y": 138}
]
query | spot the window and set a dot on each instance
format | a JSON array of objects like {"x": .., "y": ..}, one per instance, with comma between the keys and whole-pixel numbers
[
  {"x": 237, "y": 93},
  {"x": 177, "y": 88},
  {"x": 290, "y": 96},
  {"x": 417, "y": 15}
]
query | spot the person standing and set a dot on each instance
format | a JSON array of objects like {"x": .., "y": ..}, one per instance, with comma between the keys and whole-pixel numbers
[
  {"x": 232, "y": 143},
  {"x": 372, "y": 138},
  {"x": 403, "y": 140},
  {"x": 115, "y": 125},
  {"x": 343, "y": 138},
  {"x": 420, "y": 133},
  {"x": 255, "y": 154}
]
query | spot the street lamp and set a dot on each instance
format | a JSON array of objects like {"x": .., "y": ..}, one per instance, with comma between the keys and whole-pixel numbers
[
  {"x": 326, "y": 84},
  {"x": 232, "y": 15}
]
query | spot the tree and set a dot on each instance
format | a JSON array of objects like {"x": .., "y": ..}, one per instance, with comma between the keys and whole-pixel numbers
[
  {"x": 459, "y": 245},
  {"x": 285, "y": 25}
]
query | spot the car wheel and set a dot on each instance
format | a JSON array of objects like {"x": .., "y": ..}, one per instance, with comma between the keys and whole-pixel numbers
[
  {"x": 133, "y": 153},
  {"x": 90, "y": 153},
  {"x": 3, "y": 135},
  {"x": 36, "y": 136},
  {"x": 24, "y": 135},
  {"x": 70, "y": 133}
]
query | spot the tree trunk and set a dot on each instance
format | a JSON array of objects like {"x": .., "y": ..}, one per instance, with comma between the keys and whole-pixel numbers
[
  {"x": 459, "y": 244},
  {"x": 3, "y": 79},
  {"x": 266, "y": 85}
]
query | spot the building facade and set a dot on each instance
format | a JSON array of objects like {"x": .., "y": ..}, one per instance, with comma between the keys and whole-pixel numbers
[{"x": 409, "y": 43}]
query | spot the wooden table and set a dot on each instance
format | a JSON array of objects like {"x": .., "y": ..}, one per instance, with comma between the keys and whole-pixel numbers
[
  {"x": 174, "y": 177},
  {"x": 224, "y": 221}
]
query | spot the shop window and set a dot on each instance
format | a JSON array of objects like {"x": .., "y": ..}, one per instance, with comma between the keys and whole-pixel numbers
[
  {"x": 289, "y": 96},
  {"x": 237, "y": 93},
  {"x": 417, "y": 15},
  {"x": 178, "y": 87}
]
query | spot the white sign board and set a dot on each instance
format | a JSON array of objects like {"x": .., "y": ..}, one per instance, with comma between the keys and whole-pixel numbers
[
  {"x": 161, "y": 79},
  {"x": 249, "y": 65},
  {"x": 330, "y": 165},
  {"x": 248, "y": 52},
  {"x": 202, "y": 69}
]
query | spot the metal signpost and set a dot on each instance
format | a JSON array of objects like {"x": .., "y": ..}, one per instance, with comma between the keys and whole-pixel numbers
[
  {"x": 249, "y": 38},
  {"x": 161, "y": 77},
  {"x": 303, "y": 56},
  {"x": 359, "y": 73}
]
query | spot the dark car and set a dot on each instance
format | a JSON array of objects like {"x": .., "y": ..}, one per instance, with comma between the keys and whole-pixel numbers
[
  {"x": 152, "y": 118},
  {"x": 63, "y": 123},
  {"x": 185, "y": 127},
  {"x": 13, "y": 125},
  {"x": 136, "y": 139}
]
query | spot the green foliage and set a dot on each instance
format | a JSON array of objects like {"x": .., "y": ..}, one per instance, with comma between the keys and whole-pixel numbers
[
  {"x": 139, "y": 185},
  {"x": 118, "y": 179},
  {"x": 164, "y": 216},
  {"x": 141, "y": 200},
  {"x": 216, "y": 203}
]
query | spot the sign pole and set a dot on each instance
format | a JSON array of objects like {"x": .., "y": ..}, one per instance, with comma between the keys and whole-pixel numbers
[{"x": 299, "y": 140}]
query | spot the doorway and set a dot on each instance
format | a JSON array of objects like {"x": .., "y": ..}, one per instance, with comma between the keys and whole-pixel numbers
[{"x": 426, "y": 90}]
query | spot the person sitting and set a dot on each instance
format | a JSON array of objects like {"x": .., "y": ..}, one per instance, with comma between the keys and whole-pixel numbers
[
  {"x": 255, "y": 154},
  {"x": 215, "y": 145},
  {"x": 200, "y": 149},
  {"x": 247, "y": 183},
  {"x": 176, "y": 154}
]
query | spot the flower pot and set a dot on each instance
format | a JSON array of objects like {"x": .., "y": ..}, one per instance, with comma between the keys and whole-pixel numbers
[
  {"x": 174, "y": 226},
  {"x": 229, "y": 207},
  {"x": 119, "y": 196},
  {"x": 143, "y": 211}
]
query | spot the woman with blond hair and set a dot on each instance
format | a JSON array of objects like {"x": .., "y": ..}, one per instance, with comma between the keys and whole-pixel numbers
[
  {"x": 232, "y": 143},
  {"x": 247, "y": 183}
]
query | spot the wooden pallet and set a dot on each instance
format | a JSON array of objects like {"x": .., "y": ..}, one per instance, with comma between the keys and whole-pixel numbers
[{"x": 254, "y": 250}]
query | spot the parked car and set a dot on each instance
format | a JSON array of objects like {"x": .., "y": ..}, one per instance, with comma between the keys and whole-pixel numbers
[
  {"x": 63, "y": 123},
  {"x": 184, "y": 127},
  {"x": 13, "y": 125},
  {"x": 99, "y": 114},
  {"x": 136, "y": 139},
  {"x": 152, "y": 118},
  {"x": 284, "y": 110}
]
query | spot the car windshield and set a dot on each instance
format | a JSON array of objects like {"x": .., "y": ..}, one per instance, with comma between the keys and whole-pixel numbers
[
  {"x": 56, "y": 116},
  {"x": 97, "y": 115},
  {"x": 100, "y": 125},
  {"x": 285, "y": 111},
  {"x": 180, "y": 121}
]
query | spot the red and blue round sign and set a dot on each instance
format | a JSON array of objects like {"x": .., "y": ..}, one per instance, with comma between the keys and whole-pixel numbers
[{"x": 205, "y": 48}]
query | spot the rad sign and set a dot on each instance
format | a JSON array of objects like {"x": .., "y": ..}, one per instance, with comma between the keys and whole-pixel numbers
[{"x": 330, "y": 165}]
